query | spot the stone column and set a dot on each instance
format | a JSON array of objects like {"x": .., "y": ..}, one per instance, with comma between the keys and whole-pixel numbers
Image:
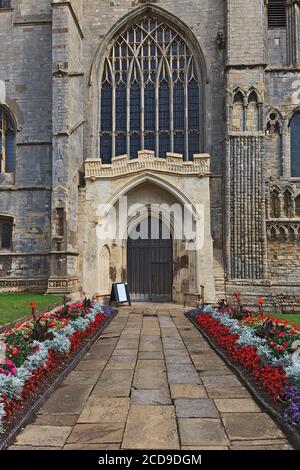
[
  {"x": 67, "y": 119},
  {"x": 293, "y": 32}
]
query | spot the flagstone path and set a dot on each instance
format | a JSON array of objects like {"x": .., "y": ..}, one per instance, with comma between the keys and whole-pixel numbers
[{"x": 151, "y": 382}]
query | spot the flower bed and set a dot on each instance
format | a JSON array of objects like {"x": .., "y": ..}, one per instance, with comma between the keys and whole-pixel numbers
[
  {"x": 36, "y": 348},
  {"x": 265, "y": 347}
]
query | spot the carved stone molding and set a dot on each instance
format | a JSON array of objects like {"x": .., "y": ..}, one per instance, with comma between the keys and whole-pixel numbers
[
  {"x": 172, "y": 164},
  {"x": 283, "y": 231},
  {"x": 36, "y": 285},
  {"x": 63, "y": 285}
]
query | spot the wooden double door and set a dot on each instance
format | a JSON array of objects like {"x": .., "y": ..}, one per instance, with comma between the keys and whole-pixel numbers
[{"x": 150, "y": 262}]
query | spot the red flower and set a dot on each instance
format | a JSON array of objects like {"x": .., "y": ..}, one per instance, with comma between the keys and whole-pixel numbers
[
  {"x": 282, "y": 334},
  {"x": 15, "y": 351},
  {"x": 32, "y": 306},
  {"x": 273, "y": 379},
  {"x": 261, "y": 301}
]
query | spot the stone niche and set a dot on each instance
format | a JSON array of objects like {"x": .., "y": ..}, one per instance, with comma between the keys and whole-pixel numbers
[{"x": 147, "y": 180}]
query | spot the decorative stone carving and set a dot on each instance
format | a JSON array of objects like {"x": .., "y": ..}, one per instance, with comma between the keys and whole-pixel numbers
[
  {"x": 221, "y": 39},
  {"x": 281, "y": 200},
  {"x": 172, "y": 164},
  {"x": 60, "y": 71},
  {"x": 62, "y": 285},
  {"x": 244, "y": 208},
  {"x": 283, "y": 231},
  {"x": 32, "y": 285}
]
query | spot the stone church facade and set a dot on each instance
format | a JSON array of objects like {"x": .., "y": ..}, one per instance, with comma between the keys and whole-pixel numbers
[{"x": 165, "y": 102}]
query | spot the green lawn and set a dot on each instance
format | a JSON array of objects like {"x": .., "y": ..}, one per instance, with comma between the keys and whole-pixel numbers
[
  {"x": 293, "y": 318},
  {"x": 13, "y": 306}
]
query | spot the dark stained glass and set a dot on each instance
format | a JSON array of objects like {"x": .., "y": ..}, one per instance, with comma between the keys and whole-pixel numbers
[
  {"x": 164, "y": 145},
  {"x": 179, "y": 106},
  {"x": 121, "y": 145},
  {"x": 193, "y": 94},
  {"x": 149, "y": 100},
  {"x": 149, "y": 142},
  {"x": 106, "y": 148},
  {"x": 121, "y": 108},
  {"x": 179, "y": 143},
  {"x": 193, "y": 145},
  {"x": 135, "y": 107},
  {"x": 10, "y": 151},
  {"x": 295, "y": 146},
  {"x": 135, "y": 145},
  {"x": 106, "y": 108},
  {"x": 164, "y": 106}
]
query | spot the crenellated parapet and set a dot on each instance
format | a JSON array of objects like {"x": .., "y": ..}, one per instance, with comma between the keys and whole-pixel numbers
[{"x": 147, "y": 161}]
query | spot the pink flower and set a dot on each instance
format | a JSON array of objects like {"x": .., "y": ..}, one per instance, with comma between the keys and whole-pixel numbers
[{"x": 9, "y": 363}]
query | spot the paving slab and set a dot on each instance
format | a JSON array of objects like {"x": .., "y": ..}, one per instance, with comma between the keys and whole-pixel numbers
[
  {"x": 39, "y": 436},
  {"x": 91, "y": 364},
  {"x": 196, "y": 408},
  {"x": 104, "y": 410},
  {"x": 80, "y": 377},
  {"x": 187, "y": 391},
  {"x": 250, "y": 426},
  {"x": 236, "y": 405},
  {"x": 150, "y": 397},
  {"x": 68, "y": 399},
  {"x": 121, "y": 362},
  {"x": 182, "y": 374},
  {"x": 98, "y": 433},
  {"x": 227, "y": 392},
  {"x": 150, "y": 378},
  {"x": 114, "y": 383},
  {"x": 56, "y": 420},
  {"x": 221, "y": 381},
  {"x": 151, "y": 355},
  {"x": 151, "y": 427},
  {"x": 202, "y": 431}
]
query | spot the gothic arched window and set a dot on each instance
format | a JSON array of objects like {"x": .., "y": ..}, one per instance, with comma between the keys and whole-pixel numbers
[
  {"x": 7, "y": 142},
  {"x": 150, "y": 94},
  {"x": 295, "y": 146}
]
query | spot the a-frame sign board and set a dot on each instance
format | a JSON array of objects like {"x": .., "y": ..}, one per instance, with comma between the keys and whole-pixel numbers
[{"x": 119, "y": 294}]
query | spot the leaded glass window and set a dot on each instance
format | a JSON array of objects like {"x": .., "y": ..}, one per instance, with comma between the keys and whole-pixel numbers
[
  {"x": 7, "y": 143},
  {"x": 5, "y": 4},
  {"x": 150, "y": 94},
  {"x": 295, "y": 146}
]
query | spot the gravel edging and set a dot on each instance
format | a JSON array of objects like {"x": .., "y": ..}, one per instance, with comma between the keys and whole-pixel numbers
[
  {"x": 290, "y": 432},
  {"x": 9, "y": 437}
]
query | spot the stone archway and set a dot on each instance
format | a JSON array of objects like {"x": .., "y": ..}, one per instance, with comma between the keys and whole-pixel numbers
[{"x": 150, "y": 261}]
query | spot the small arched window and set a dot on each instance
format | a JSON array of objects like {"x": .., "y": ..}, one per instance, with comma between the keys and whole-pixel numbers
[
  {"x": 276, "y": 14},
  {"x": 7, "y": 142},
  {"x": 295, "y": 146},
  {"x": 6, "y": 230},
  {"x": 150, "y": 93}
]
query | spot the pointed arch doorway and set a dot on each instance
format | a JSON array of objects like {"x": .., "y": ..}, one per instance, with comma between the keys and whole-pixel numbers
[{"x": 150, "y": 261}]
